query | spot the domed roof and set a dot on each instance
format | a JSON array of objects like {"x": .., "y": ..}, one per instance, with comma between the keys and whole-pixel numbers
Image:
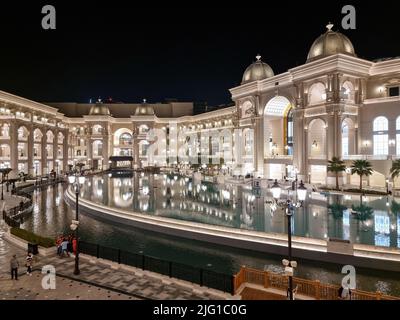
[
  {"x": 257, "y": 71},
  {"x": 99, "y": 109},
  {"x": 330, "y": 43},
  {"x": 144, "y": 109}
]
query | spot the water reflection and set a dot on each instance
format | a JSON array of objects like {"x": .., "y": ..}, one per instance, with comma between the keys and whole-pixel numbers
[
  {"x": 360, "y": 219},
  {"x": 50, "y": 206}
]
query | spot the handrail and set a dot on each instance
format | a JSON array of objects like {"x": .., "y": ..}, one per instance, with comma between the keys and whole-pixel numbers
[{"x": 310, "y": 288}]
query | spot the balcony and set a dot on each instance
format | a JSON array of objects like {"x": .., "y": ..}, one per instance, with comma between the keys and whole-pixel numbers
[
  {"x": 370, "y": 157},
  {"x": 279, "y": 157}
]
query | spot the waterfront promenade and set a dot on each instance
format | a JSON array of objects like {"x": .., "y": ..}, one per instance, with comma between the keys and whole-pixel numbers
[{"x": 98, "y": 280}]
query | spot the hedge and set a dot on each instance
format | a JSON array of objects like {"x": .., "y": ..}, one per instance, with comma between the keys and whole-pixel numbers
[{"x": 33, "y": 238}]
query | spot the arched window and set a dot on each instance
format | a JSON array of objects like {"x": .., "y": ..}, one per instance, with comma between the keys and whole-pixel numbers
[
  {"x": 50, "y": 136},
  {"x": 5, "y": 131},
  {"x": 125, "y": 139},
  {"x": 381, "y": 137},
  {"x": 60, "y": 138},
  {"x": 37, "y": 135},
  {"x": 347, "y": 91},
  {"x": 97, "y": 129},
  {"x": 317, "y": 93}
]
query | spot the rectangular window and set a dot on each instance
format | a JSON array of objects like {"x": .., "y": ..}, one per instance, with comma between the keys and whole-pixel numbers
[
  {"x": 394, "y": 91},
  {"x": 381, "y": 144}
]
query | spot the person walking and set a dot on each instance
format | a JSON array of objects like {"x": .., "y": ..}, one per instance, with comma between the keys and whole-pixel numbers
[
  {"x": 14, "y": 265},
  {"x": 29, "y": 263},
  {"x": 64, "y": 247}
]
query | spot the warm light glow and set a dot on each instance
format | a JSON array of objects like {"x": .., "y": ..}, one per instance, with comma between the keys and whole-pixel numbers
[
  {"x": 71, "y": 179},
  {"x": 276, "y": 190}
]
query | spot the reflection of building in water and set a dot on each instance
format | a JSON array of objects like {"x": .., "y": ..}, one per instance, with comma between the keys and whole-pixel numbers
[{"x": 382, "y": 229}]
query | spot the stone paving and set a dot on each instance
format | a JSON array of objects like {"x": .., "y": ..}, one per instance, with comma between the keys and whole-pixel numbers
[{"x": 96, "y": 281}]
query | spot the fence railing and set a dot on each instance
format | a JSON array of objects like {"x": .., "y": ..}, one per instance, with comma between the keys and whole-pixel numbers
[
  {"x": 203, "y": 277},
  {"x": 310, "y": 288}
]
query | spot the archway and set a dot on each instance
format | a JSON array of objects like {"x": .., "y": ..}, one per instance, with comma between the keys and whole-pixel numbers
[
  {"x": 317, "y": 93},
  {"x": 278, "y": 127},
  {"x": 317, "y": 139}
]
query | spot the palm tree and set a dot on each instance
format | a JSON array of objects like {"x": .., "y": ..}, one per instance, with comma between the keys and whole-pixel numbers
[
  {"x": 336, "y": 165},
  {"x": 395, "y": 169},
  {"x": 361, "y": 168}
]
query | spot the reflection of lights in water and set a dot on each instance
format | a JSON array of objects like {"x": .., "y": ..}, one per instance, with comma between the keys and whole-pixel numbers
[
  {"x": 234, "y": 206},
  {"x": 126, "y": 196},
  {"x": 393, "y": 227},
  {"x": 58, "y": 198},
  {"x": 172, "y": 193},
  {"x": 164, "y": 204},
  {"x": 387, "y": 204},
  {"x": 365, "y": 198},
  {"x": 176, "y": 178},
  {"x": 99, "y": 192},
  {"x": 164, "y": 193},
  {"x": 204, "y": 187},
  {"x": 325, "y": 235},
  {"x": 186, "y": 180},
  {"x": 314, "y": 214},
  {"x": 142, "y": 174},
  {"x": 146, "y": 190},
  {"x": 347, "y": 197}
]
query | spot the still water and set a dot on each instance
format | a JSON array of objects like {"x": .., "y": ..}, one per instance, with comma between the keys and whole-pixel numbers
[
  {"x": 366, "y": 220},
  {"x": 52, "y": 216}
]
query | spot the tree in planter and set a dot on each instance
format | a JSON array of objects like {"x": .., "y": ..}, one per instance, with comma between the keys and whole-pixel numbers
[
  {"x": 336, "y": 165},
  {"x": 361, "y": 168}
]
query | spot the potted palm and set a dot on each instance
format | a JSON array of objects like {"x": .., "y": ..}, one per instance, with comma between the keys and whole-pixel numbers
[
  {"x": 336, "y": 165},
  {"x": 361, "y": 168}
]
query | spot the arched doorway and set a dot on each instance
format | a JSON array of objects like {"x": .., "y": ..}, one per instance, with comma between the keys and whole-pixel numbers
[{"x": 278, "y": 134}]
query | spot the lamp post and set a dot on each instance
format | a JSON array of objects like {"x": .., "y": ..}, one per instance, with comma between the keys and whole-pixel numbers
[
  {"x": 387, "y": 186},
  {"x": 289, "y": 206},
  {"x": 76, "y": 180},
  {"x": 2, "y": 182}
]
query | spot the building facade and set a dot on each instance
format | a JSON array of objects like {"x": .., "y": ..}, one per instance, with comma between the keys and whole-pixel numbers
[{"x": 335, "y": 104}]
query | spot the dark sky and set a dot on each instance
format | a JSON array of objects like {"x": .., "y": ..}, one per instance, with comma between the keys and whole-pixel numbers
[{"x": 191, "y": 53}]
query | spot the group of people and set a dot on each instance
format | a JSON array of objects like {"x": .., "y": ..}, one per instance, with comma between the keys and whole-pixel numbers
[
  {"x": 14, "y": 265},
  {"x": 66, "y": 245}
]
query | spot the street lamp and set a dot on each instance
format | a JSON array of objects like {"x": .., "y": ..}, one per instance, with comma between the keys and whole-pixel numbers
[
  {"x": 76, "y": 180},
  {"x": 289, "y": 206}
]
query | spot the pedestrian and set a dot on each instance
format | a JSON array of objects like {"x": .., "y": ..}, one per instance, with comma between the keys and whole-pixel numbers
[
  {"x": 14, "y": 265},
  {"x": 64, "y": 247},
  {"x": 344, "y": 293},
  {"x": 29, "y": 263},
  {"x": 74, "y": 245},
  {"x": 58, "y": 244}
]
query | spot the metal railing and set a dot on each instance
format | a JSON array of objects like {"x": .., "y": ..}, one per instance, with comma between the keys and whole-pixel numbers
[
  {"x": 310, "y": 288},
  {"x": 203, "y": 277}
]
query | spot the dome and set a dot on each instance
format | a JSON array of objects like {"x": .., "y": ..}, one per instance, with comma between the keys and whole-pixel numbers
[
  {"x": 99, "y": 109},
  {"x": 144, "y": 109},
  {"x": 257, "y": 71},
  {"x": 330, "y": 43}
]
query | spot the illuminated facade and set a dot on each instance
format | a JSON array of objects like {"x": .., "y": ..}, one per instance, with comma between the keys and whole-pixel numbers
[{"x": 335, "y": 104}]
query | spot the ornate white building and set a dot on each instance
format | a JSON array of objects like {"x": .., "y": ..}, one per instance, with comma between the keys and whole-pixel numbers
[{"x": 335, "y": 104}]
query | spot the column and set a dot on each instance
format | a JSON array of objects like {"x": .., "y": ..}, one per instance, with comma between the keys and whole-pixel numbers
[
  {"x": 14, "y": 149},
  {"x": 31, "y": 166},
  {"x": 65, "y": 150},
  {"x": 258, "y": 140},
  {"x": 44, "y": 154}
]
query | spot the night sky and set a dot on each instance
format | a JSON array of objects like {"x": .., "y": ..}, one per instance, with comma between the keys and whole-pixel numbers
[{"x": 191, "y": 53}]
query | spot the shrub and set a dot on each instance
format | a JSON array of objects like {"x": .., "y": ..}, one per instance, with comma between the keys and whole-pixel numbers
[{"x": 33, "y": 238}]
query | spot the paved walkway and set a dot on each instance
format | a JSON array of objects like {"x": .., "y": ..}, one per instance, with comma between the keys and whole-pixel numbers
[{"x": 96, "y": 281}]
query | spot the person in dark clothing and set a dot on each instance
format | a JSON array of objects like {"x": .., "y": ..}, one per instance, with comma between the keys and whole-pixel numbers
[{"x": 14, "y": 264}]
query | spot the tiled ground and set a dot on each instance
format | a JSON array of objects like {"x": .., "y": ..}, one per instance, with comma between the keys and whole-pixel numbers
[{"x": 96, "y": 281}]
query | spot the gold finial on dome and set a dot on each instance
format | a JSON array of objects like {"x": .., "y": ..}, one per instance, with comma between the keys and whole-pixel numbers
[
  {"x": 258, "y": 57},
  {"x": 329, "y": 26}
]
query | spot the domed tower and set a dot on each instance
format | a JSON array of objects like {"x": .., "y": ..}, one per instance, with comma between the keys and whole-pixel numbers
[
  {"x": 144, "y": 109},
  {"x": 258, "y": 70},
  {"x": 99, "y": 109},
  {"x": 330, "y": 43}
]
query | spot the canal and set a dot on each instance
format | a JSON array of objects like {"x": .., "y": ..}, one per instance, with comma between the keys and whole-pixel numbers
[{"x": 52, "y": 216}]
